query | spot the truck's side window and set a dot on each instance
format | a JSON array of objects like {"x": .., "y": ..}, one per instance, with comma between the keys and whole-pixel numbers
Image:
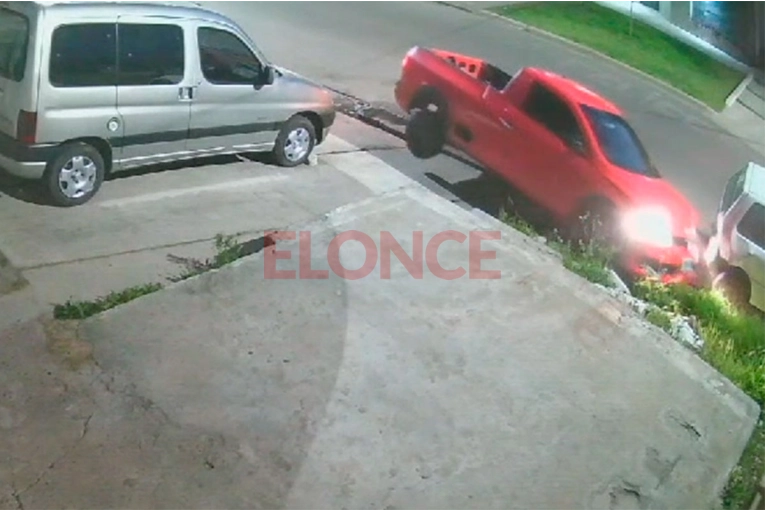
[
  {"x": 553, "y": 113},
  {"x": 150, "y": 54},
  {"x": 84, "y": 55},
  {"x": 225, "y": 59},
  {"x": 734, "y": 190},
  {"x": 752, "y": 225}
]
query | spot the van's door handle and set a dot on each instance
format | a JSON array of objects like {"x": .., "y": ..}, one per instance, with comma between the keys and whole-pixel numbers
[
  {"x": 506, "y": 124},
  {"x": 186, "y": 93}
]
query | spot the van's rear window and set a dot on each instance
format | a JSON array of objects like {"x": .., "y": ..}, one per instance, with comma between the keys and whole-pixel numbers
[{"x": 14, "y": 36}]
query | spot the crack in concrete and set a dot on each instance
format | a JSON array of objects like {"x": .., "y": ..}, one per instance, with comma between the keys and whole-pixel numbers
[
  {"x": 362, "y": 150},
  {"x": 17, "y": 494}
]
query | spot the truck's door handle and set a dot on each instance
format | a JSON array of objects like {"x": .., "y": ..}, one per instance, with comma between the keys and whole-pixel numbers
[{"x": 506, "y": 124}]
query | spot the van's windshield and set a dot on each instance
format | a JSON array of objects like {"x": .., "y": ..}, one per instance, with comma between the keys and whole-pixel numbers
[{"x": 14, "y": 36}]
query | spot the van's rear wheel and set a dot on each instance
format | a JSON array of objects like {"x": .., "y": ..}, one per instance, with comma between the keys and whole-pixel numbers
[
  {"x": 295, "y": 142},
  {"x": 75, "y": 175}
]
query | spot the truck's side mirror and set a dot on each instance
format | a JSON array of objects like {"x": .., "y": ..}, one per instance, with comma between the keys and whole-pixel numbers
[{"x": 577, "y": 145}]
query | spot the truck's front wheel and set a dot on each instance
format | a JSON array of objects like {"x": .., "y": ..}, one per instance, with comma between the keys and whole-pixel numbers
[{"x": 425, "y": 134}]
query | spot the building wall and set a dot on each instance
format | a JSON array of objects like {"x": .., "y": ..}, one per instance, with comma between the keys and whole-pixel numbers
[{"x": 737, "y": 28}]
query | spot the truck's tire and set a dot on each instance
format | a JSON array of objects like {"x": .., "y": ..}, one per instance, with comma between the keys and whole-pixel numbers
[
  {"x": 734, "y": 284},
  {"x": 429, "y": 98},
  {"x": 425, "y": 134}
]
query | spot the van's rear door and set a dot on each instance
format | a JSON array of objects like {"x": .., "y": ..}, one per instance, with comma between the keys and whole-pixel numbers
[{"x": 17, "y": 69}]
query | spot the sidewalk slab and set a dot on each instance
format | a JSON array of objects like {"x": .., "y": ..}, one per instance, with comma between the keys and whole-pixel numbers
[{"x": 536, "y": 390}]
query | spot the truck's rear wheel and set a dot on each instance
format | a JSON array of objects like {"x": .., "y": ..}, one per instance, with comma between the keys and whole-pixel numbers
[
  {"x": 425, "y": 134},
  {"x": 735, "y": 285}
]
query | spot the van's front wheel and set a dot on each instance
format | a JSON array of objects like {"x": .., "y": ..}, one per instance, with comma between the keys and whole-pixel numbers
[
  {"x": 295, "y": 142},
  {"x": 75, "y": 175}
]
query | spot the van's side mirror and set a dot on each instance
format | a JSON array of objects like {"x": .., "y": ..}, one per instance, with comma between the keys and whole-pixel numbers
[{"x": 266, "y": 76}]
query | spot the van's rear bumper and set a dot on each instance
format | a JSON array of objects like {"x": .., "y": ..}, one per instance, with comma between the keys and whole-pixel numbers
[
  {"x": 327, "y": 120},
  {"x": 26, "y": 161}
]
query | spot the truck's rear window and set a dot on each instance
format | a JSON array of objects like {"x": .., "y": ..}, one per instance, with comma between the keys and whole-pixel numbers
[
  {"x": 14, "y": 36},
  {"x": 619, "y": 142}
]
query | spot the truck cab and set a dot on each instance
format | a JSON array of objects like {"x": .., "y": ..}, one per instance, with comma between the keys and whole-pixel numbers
[{"x": 561, "y": 145}]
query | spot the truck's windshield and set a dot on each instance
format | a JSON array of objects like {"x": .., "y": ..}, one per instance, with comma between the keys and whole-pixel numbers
[
  {"x": 14, "y": 35},
  {"x": 619, "y": 142}
]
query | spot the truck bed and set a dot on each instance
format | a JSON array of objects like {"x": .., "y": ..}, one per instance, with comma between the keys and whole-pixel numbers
[{"x": 478, "y": 68}]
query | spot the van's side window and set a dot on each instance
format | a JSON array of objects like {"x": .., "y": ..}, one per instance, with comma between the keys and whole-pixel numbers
[
  {"x": 752, "y": 225},
  {"x": 733, "y": 190},
  {"x": 225, "y": 59},
  {"x": 84, "y": 55},
  {"x": 150, "y": 54}
]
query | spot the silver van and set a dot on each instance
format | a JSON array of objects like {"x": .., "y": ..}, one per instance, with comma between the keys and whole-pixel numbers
[{"x": 89, "y": 88}]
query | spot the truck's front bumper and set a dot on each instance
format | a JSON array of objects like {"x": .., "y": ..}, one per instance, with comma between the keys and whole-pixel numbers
[{"x": 674, "y": 265}]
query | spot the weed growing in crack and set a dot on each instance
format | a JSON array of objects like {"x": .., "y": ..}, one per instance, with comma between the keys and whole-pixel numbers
[
  {"x": 228, "y": 249},
  {"x": 79, "y": 310}
]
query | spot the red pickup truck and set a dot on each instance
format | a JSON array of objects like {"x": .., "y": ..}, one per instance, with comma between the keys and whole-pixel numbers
[{"x": 562, "y": 145}]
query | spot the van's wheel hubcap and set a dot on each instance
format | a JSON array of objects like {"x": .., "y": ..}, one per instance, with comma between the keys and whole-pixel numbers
[
  {"x": 297, "y": 145},
  {"x": 77, "y": 177}
]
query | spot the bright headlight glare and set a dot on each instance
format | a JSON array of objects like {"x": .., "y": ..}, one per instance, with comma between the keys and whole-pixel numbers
[{"x": 649, "y": 225}]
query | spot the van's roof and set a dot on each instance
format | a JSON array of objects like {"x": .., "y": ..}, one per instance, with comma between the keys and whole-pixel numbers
[
  {"x": 755, "y": 182},
  {"x": 177, "y": 10}
]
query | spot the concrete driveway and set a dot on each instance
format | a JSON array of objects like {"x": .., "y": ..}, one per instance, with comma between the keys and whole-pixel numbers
[
  {"x": 124, "y": 235},
  {"x": 232, "y": 390},
  {"x": 357, "y": 47}
]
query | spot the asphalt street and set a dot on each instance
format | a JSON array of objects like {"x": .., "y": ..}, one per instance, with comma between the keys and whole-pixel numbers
[{"x": 357, "y": 48}]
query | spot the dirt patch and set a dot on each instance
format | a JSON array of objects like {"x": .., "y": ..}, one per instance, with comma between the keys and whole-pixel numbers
[
  {"x": 11, "y": 279},
  {"x": 64, "y": 343}
]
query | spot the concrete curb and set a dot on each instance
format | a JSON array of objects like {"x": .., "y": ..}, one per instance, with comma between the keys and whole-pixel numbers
[
  {"x": 733, "y": 97},
  {"x": 756, "y": 503},
  {"x": 585, "y": 49}
]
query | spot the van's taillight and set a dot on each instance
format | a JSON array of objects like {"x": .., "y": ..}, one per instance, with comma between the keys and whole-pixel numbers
[{"x": 26, "y": 127}]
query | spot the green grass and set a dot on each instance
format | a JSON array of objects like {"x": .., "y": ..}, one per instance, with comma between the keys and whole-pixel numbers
[
  {"x": 79, "y": 310},
  {"x": 646, "y": 49},
  {"x": 590, "y": 262},
  {"x": 518, "y": 223},
  {"x": 659, "y": 318}
]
